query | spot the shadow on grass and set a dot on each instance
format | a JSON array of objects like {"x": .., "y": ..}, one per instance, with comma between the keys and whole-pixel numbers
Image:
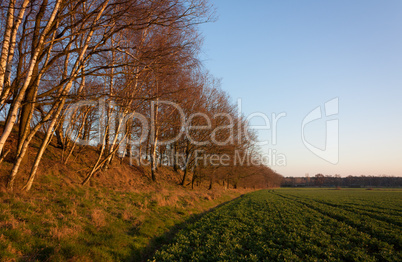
[{"x": 143, "y": 254}]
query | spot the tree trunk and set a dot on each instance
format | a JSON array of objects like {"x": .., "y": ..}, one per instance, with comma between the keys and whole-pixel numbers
[
  {"x": 38, "y": 157},
  {"x": 74, "y": 143},
  {"x": 184, "y": 177},
  {"x": 95, "y": 167},
  {"x": 174, "y": 157},
  {"x": 154, "y": 141},
  {"x": 6, "y": 87},
  {"x": 4, "y": 156},
  {"x": 153, "y": 161},
  {"x": 59, "y": 134},
  {"x": 211, "y": 180},
  {"x": 18, "y": 99},
  {"x": 188, "y": 155},
  {"x": 210, "y": 184},
  {"x": 26, "y": 114},
  {"x": 193, "y": 178},
  {"x": 6, "y": 42}
]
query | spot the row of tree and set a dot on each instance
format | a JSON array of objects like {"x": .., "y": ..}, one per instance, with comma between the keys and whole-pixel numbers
[
  {"x": 321, "y": 180},
  {"x": 123, "y": 76}
]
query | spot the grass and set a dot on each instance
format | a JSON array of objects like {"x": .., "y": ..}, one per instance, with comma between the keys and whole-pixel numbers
[
  {"x": 120, "y": 216},
  {"x": 295, "y": 225},
  {"x": 96, "y": 224}
]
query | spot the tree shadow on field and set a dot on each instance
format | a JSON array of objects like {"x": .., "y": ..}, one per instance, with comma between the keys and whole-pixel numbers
[{"x": 143, "y": 254}]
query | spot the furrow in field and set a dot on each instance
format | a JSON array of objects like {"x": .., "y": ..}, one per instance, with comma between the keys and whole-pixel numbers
[
  {"x": 370, "y": 213},
  {"x": 371, "y": 208},
  {"x": 327, "y": 234},
  {"x": 277, "y": 226},
  {"x": 348, "y": 217}
]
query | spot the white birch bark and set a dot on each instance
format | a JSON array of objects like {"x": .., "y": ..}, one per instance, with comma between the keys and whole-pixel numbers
[
  {"x": 5, "y": 79},
  {"x": 17, "y": 101},
  {"x": 6, "y": 42},
  {"x": 77, "y": 67}
]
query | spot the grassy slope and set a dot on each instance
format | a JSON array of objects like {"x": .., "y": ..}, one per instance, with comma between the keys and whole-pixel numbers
[
  {"x": 121, "y": 216},
  {"x": 95, "y": 224}
]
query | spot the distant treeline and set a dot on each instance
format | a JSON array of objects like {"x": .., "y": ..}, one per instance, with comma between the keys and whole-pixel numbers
[{"x": 320, "y": 180}]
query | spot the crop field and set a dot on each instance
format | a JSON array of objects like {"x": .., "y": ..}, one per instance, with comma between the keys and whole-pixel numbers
[{"x": 295, "y": 225}]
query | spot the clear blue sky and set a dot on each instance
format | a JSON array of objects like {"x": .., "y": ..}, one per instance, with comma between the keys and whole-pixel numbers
[{"x": 293, "y": 56}]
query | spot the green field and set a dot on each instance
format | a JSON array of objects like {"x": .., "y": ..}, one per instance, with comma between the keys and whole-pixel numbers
[{"x": 296, "y": 225}]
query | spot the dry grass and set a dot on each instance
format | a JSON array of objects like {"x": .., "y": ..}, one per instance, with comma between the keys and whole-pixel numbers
[
  {"x": 98, "y": 218},
  {"x": 10, "y": 223},
  {"x": 90, "y": 224},
  {"x": 163, "y": 199},
  {"x": 57, "y": 219},
  {"x": 127, "y": 215},
  {"x": 64, "y": 232},
  {"x": 73, "y": 210},
  {"x": 80, "y": 259}
]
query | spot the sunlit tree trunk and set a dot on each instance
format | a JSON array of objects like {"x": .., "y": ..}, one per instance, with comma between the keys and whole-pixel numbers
[
  {"x": 29, "y": 75},
  {"x": 6, "y": 42}
]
